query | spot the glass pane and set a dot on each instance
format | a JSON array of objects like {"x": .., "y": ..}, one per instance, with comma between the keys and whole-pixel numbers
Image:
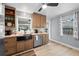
[{"x": 67, "y": 25}]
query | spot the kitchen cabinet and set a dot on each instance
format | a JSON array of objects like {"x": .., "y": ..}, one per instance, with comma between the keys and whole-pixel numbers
[
  {"x": 10, "y": 45},
  {"x": 34, "y": 21},
  {"x": 24, "y": 44},
  {"x": 45, "y": 38},
  {"x": 43, "y": 21},
  {"x": 9, "y": 19},
  {"x": 20, "y": 46},
  {"x": 28, "y": 44},
  {"x": 38, "y": 20}
]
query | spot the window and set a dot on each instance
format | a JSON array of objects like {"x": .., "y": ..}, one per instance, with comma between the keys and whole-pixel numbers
[
  {"x": 24, "y": 24},
  {"x": 67, "y": 24}
]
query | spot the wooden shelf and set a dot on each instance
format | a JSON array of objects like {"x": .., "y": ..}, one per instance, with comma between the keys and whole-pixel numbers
[{"x": 9, "y": 18}]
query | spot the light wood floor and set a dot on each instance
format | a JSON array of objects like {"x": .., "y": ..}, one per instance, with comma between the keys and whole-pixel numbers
[{"x": 54, "y": 49}]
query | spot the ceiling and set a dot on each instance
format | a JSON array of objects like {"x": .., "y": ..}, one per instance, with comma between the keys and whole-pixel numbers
[
  {"x": 49, "y": 11},
  {"x": 25, "y": 7}
]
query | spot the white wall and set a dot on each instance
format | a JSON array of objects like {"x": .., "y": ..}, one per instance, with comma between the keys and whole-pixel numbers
[
  {"x": 2, "y": 22},
  {"x": 55, "y": 33}
]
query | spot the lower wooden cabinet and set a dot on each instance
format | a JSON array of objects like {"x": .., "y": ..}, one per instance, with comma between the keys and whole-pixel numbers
[
  {"x": 20, "y": 46},
  {"x": 45, "y": 38},
  {"x": 28, "y": 44},
  {"x": 24, "y": 45},
  {"x": 10, "y": 51},
  {"x": 10, "y": 45}
]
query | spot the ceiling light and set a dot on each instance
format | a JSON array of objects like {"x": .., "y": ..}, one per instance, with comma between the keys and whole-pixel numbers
[{"x": 44, "y": 6}]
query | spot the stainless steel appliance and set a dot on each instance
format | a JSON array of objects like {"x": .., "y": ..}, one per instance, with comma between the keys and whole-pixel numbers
[{"x": 38, "y": 40}]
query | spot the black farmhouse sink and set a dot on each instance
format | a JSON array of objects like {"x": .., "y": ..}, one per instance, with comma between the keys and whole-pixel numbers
[{"x": 25, "y": 37}]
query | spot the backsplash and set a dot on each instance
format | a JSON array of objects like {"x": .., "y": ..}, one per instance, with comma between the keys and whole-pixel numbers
[
  {"x": 24, "y": 24},
  {"x": 41, "y": 29}
]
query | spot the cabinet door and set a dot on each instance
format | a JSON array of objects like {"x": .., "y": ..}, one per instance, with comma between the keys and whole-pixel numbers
[
  {"x": 33, "y": 20},
  {"x": 45, "y": 38},
  {"x": 10, "y": 51},
  {"x": 20, "y": 46},
  {"x": 10, "y": 45},
  {"x": 43, "y": 21},
  {"x": 38, "y": 21},
  {"x": 28, "y": 44}
]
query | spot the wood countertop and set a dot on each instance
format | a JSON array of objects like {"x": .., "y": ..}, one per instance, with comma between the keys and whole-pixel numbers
[{"x": 21, "y": 34}]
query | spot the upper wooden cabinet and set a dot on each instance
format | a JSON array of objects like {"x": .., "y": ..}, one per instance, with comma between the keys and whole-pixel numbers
[
  {"x": 38, "y": 20},
  {"x": 43, "y": 21}
]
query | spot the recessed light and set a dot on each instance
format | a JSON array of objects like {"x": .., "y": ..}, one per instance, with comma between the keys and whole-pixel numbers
[{"x": 44, "y": 6}]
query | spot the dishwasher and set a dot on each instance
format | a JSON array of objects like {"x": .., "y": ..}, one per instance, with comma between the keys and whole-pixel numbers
[{"x": 38, "y": 40}]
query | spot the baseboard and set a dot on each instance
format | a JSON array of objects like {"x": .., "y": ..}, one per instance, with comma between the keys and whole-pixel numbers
[{"x": 69, "y": 46}]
